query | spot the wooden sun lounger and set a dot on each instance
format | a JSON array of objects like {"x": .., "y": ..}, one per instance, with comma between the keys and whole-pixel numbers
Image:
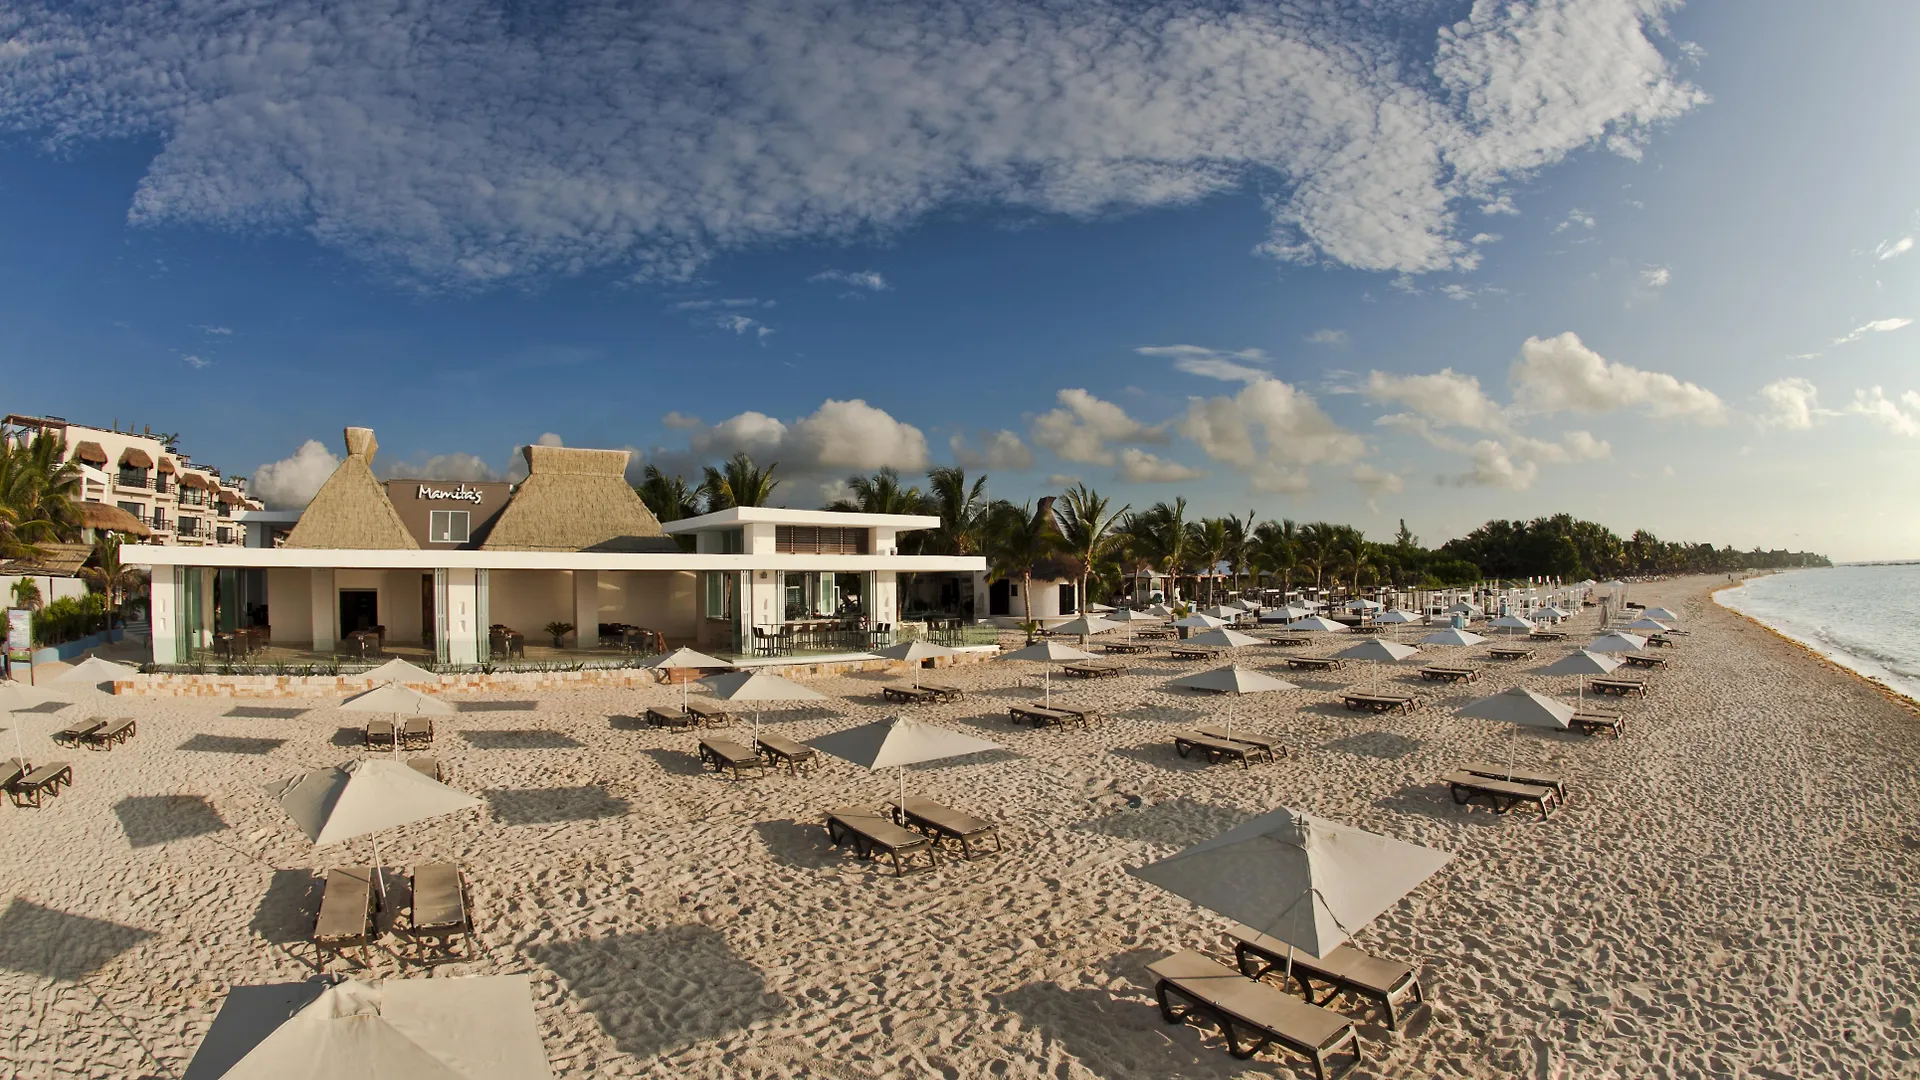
[
  {"x": 380, "y": 733},
  {"x": 1040, "y": 716},
  {"x": 1253, "y": 1012},
  {"x": 1158, "y": 633},
  {"x": 1510, "y": 654},
  {"x": 1345, "y": 970},
  {"x": 1250, "y": 738},
  {"x": 1125, "y": 647},
  {"x": 440, "y": 911},
  {"x": 113, "y": 734},
  {"x": 1642, "y": 660},
  {"x": 947, "y": 693},
  {"x": 425, "y": 766},
  {"x": 1502, "y": 795},
  {"x": 1599, "y": 724},
  {"x": 1660, "y": 640},
  {"x": 677, "y": 720},
  {"x": 785, "y": 753},
  {"x": 908, "y": 695},
  {"x": 1094, "y": 670},
  {"x": 10, "y": 773},
  {"x": 943, "y": 823},
  {"x": 1380, "y": 703},
  {"x": 75, "y": 733},
  {"x": 1440, "y": 673},
  {"x": 417, "y": 731},
  {"x": 48, "y": 779},
  {"x": 1193, "y": 652},
  {"x": 1217, "y": 750},
  {"x": 725, "y": 755},
  {"x": 1315, "y": 663},
  {"x": 1547, "y": 635},
  {"x": 707, "y": 715},
  {"x": 1287, "y": 642},
  {"x": 347, "y": 903},
  {"x": 871, "y": 834},
  {"x": 1622, "y": 687},
  {"x": 1520, "y": 774}
]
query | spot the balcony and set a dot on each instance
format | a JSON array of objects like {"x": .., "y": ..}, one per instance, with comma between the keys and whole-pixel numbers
[
  {"x": 190, "y": 529},
  {"x": 132, "y": 481},
  {"x": 223, "y": 536},
  {"x": 190, "y": 497},
  {"x": 159, "y": 524}
]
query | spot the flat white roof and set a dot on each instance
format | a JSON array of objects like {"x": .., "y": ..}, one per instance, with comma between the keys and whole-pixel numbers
[
  {"x": 423, "y": 559},
  {"x": 744, "y": 515}
]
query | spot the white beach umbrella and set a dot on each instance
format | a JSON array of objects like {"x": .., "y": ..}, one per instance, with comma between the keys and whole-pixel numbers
[
  {"x": 1284, "y": 614},
  {"x": 1617, "y": 643},
  {"x": 1201, "y": 621},
  {"x": 1464, "y": 608},
  {"x": 1085, "y": 626},
  {"x": 1554, "y": 612},
  {"x": 1304, "y": 880},
  {"x": 1386, "y": 652},
  {"x": 337, "y": 804},
  {"x": 17, "y": 698},
  {"x": 1580, "y": 663},
  {"x": 1523, "y": 707},
  {"x": 1244, "y": 604},
  {"x": 1362, "y": 604},
  {"x": 397, "y": 670},
  {"x": 477, "y": 1027},
  {"x": 1665, "y": 615},
  {"x": 397, "y": 700},
  {"x": 1097, "y": 609},
  {"x": 758, "y": 688},
  {"x": 913, "y": 652},
  {"x": 684, "y": 659},
  {"x": 1225, "y": 638},
  {"x": 1396, "y": 617},
  {"x": 1047, "y": 652},
  {"x": 1128, "y": 615},
  {"x": 1161, "y": 610},
  {"x": 898, "y": 742},
  {"x": 1653, "y": 625},
  {"x": 1315, "y": 624},
  {"x": 1233, "y": 679},
  {"x": 93, "y": 671},
  {"x": 1452, "y": 636},
  {"x": 1512, "y": 624}
]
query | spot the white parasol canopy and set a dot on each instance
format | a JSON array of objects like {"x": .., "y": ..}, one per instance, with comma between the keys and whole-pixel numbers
[
  {"x": 1225, "y": 611},
  {"x": 1362, "y": 604},
  {"x": 1307, "y": 881},
  {"x": 1161, "y": 610},
  {"x": 1375, "y": 649},
  {"x": 1581, "y": 662},
  {"x": 684, "y": 659},
  {"x": 93, "y": 671},
  {"x": 1617, "y": 643},
  {"x": 1128, "y": 615},
  {"x": 1521, "y": 706},
  {"x": 471, "y": 1028},
  {"x": 1084, "y": 626},
  {"x": 1396, "y": 617},
  {"x": 913, "y": 652},
  {"x": 1316, "y": 624},
  {"x": 1233, "y": 679},
  {"x": 898, "y": 742},
  {"x": 1464, "y": 608},
  {"x": 1512, "y": 624},
  {"x": 1200, "y": 621},
  {"x": 1665, "y": 615},
  {"x": 1284, "y": 614},
  {"x": 1047, "y": 652},
  {"x": 337, "y": 804},
  {"x": 1097, "y": 609},
  {"x": 397, "y": 670},
  {"x": 1231, "y": 639},
  {"x": 398, "y": 700},
  {"x": 1654, "y": 625},
  {"x": 757, "y": 688}
]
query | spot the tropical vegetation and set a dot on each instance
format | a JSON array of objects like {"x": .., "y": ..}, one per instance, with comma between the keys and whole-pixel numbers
[{"x": 39, "y": 496}]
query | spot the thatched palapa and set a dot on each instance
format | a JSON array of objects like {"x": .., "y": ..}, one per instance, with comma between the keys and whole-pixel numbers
[
  {"x": 135, "y": 458},
  {"x": 576, "y": 500},
  {"x": 167, "y": 466},
  {"x": 91, "y": 452},
  {"x": 106, "y": 518},
  {"x": 351, "y": 510},
  {"x": 56, "y": 560}
]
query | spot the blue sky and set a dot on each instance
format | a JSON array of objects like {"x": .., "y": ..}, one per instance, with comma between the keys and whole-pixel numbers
[{"x": 1643, "y": 262}]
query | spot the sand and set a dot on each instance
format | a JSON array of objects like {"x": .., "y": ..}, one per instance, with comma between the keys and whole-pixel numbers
[{"x": 1730, "y": 891}]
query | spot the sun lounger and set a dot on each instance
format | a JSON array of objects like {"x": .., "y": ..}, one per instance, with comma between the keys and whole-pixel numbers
[
  {"x": 1502, "y": 795},
  {"x": 1380, "y": 703},
  {"x": 675, "y": 719},
  {"x": 1621, "y": 687},
  {"x": 440, "y": 912},
  {"x": 425, "y": 766},
  {"x": 725, "y": 755},
  {"x": 1642, "y": 660},
  {"x": 947, "y": 693},
  {"x": 77, "y": 731},
  {"x": 347, "y": 903},
  {"x": 1093, "y": 669},
  {"x": 113, "y": 734},
  {"x": 1345, "y": 970},
  {"x": 785, "y": 753},
  {"x": 46, "y": 780},
  {"x": 1520, "y": 774},
  {"x": 1599, "y": 724},
  {"x": 871, "y": 834},
  {"x": 1125, "y": 647},
  {"x": 1548, "y": 635},
  {"x": 1443, "y": 673},
  {"x": 1250, "y": 738},
  {"x": 1040, "y": 716},
  {"x": 1193, "y": 652},
  {"x": 1158, "y": 633},
  {"x": 11, "y": 771},
  {"x": 1315, "y": 663},
  {"x": 416, "y": 732},
  {"x": 707, "y": 715},
  {"x": 1251, "y": 1012},
  {"x": 944, "y": 823},
  {"x": 1286, "y": 642},
  {"x": 1510, "y": 654},
  {"x": 1217, "y": 750},
  {"x": 908, "y": 695},
  {"x": 380, "y": 734}
]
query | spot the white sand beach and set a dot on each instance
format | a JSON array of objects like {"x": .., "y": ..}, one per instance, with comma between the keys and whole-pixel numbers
[{"x": 1730, "y": 891}]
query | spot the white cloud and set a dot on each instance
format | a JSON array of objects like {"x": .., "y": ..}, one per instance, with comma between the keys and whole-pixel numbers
[
  {"x": 1877, "y": 326},
  {"x": 1515, "y": 463},
  {"x": 197, "y": 363},
  {"x": 1222, "y": 364},
  {"x": 1328, "y": 336},
  {"x": 1575, "y": 219},
  {"x": 730, "y": 302},
  {"x": 1890, "y": 249},
  {"x": 1656, "y": 277},
  {"x": 1002, "y": 451},
  {"x": 217, "y": 331},
  {"x": 455, "y": 466},
  {"x": 291, "y": 482},
  {"x": 1791, "y": 403},
  {"x": 1083, "y": 426},
  {"x": 1501, "y": 205},
  {"x": 1269, "y": 425},
  {"x": 1559, "y": 374},
  {"x": 754, "y": 433},
  {"x": 1902, "y": 416},
  {"x": 1139, "y": 467},
  {"x": 1484, "y": 238},
  {"x": 838, "y": 436},
  {"x": 681, "y": 421},
  {"x": 1061, "y": 480},
  {"x": 741, "y": 324},
  {"x": 1377, "y": 482},
  {"x": 649, "y": 137},
  {"x": 1444, "y": 398},
  {"x": 871, "y": 280}
]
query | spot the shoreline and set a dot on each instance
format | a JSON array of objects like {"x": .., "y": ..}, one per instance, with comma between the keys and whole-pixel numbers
[{"x": 1906, "y": 701}]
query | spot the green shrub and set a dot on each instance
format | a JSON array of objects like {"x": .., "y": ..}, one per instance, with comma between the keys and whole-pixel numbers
[{"x": 69, "y": 619}]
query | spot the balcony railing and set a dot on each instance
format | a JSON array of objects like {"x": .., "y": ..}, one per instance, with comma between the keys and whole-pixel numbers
[
  {"x": 190, "y": 497},
  {"x": 223, "y": 536},
  {"x": 160, "y": 525},
  {"x": 190, "y": 527},
  {"x": 132, "y": 482}
]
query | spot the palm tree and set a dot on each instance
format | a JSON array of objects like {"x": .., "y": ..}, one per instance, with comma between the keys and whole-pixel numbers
[
  {"x": 1275, "y": 551},
  {"x": 1240, "y": 546},
  {"x": 1088, "y": 530},
  {"x": 39, "y": 494},
  {"x": 668, "y": 497},
  {"x": 1018, "y": 539},
  {"x": 881, "y": 493},
  {"x": 109, "y": 575},
  {"x": 963, "y": 511},
  {"x": 1161, "y": 538},
  {"x": 1210, "y": 542},
  {"x": 738, "y": 483},
  {"x": 1314, "y": 550}
]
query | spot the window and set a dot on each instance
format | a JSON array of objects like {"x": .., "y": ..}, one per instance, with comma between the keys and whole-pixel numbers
[
  {"x": 733, "y": 541},
  {"x": 811, "y": 540},
  {"x": 448, "y": 526}
]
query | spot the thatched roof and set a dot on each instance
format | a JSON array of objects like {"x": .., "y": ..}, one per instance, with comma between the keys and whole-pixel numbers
[
  {"x": 576, "y": 500},
  {"x": 90, "y": 451},
  {"x": 135, "y": 458},
  {"x": 95, "y": 515},
  {"x": 351, "y": 509},
  {"x": 193, "y": 480},
  {"x": 57, "y": 560},
  {"x": 166, "y": 465}
]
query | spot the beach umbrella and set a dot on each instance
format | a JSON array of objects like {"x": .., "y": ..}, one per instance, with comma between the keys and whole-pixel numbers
[
  {"x": 17, "y": 698},
  {"x": 1653, "y": 625},
  {"x": 1285, "y": 614},
  {"x": 343, "y": 802},
  {"x": 757, "y": 688},
  {"x": 1097, "y": 609},
  {"x": 1161, "y": 610},
  {"x": 1225, "y": 638},
  {"x": 1201, "y": 621},
  {"x": 1579, "y": 664},
  {"x": 477, "y": 1027},
  {"x": 1617, "y": 643},
  {"x": 1245, "y": 604},
  {"x": 399, "y": 701},
  {"x": 1452, "y": 636},
  {"x": 1315, "y": 624},
  {"x": 1085, "y": 626},
  {"x": 1226, "y": 612},
  {"x": 915, "y": 651},
  {"x": 898, "y": 742},
  {"x": 397, "y": 670},
  {"x": 1047, "y": 652},
  {"x": 1233, "y": 679},
  {"x": 1512, "y": 624},
  {"x": 1304, "y": 880},
  {"x": 684, "y": 659},
  {"x": 1386, "y": 652},
  {"x": 1130, "y": 618},
  {"x": 1554, "y": 612},
  {"x": 1396, "y": 617},
  {"x": 1523, "y": 707},
  {"x": 1464, "y": 608},
  {"x": 1363, "y": 605},
  {"x": 1665, "y": 615},
  {"x": 93, "y": 671}
]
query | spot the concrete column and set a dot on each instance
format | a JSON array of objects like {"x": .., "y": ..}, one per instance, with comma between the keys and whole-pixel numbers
[
  {"x": 886, "y": 598},
  {"x": 326, "y": 610},
  {"x": 586, "y": 608},
  {"x": 163, "y": 608},
  {"x": 462, "y": 617}
]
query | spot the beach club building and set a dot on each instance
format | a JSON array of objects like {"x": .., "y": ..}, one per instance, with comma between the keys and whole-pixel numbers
[{"x": 476, "y": 573}]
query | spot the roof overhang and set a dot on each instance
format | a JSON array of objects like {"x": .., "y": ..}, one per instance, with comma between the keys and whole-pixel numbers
[
  {"x": 736, "y": 516},
  {"x": 420, "y": 559}
]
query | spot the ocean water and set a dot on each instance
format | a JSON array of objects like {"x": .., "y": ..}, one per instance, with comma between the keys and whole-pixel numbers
[{"x": 1866, "y": 618}]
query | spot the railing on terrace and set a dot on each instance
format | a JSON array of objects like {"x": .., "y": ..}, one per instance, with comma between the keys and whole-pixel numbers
[
  {"x": 132, "y": 482},
  {"x": 190, "y": 527},
  {"x": 190, "y": 497}
]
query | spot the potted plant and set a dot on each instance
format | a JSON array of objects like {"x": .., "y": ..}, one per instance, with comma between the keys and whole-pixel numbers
[{"x": 558, "y": 631}]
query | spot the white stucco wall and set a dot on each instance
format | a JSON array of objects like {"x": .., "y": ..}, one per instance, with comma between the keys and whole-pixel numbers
[{"x": 290, "y": 605}]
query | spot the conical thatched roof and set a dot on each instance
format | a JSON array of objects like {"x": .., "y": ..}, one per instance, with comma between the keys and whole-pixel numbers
[
  {"x": 576, "y": 500},
  {"x": 351, "y": 510}
]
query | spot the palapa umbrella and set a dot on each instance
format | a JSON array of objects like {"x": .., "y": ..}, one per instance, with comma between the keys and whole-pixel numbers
[
  {"x": 1047, "y": 652},
  {"x": 17, "y": 698},
  {"x": 757, "y": 688},
  {"x": 342, "y": 802},
  {"x": 399, "y": 701},
  {"x": 1304, "y": 880},
  {"x": 1617, "y": 643},
  {"x": 1233, "y": 679},
  {"x": 913, "y": 652},
  {"x": 1523, "y": 707},
  {"x": 1386, "y": 652},
  {"x": 397, "y": 670},
  {"x": 897, "y": 742},
  {"x": 1579, "y": 664},
  {"x": 479, "y": 1027},
  {"x": 1316, "y": 624},
  {"x": 93, "y": 671},
  {"x": 1225, "y": 638},
  {"x": 1665, "y": 615},
  {"x": 685, "y": 659}
]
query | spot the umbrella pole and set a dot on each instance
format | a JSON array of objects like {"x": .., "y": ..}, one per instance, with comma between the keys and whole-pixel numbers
[
  {"x": 1046, "y": 684},
  {"x": 902, "y": 804}
]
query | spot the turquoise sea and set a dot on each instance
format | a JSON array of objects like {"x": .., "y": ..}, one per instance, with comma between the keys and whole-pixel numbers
[{"x": 1866, "y": 618}]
